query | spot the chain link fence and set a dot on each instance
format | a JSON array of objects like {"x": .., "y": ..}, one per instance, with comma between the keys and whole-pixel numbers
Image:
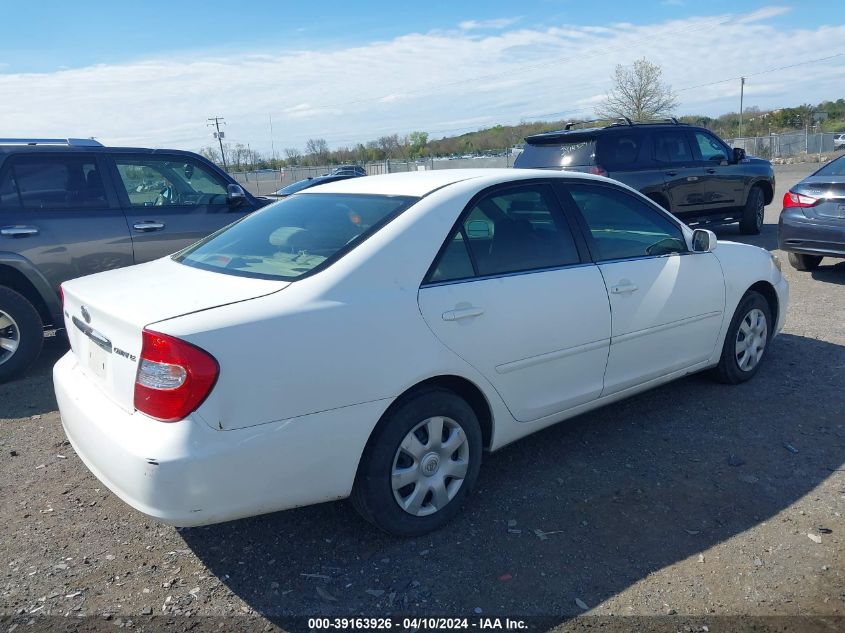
[
  {"x": 787, "y": 145},
  {"x": 266, "y": 181}
]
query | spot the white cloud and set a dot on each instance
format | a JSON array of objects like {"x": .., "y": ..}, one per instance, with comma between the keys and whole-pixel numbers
[
  {"x": 442, "y": 82},
  {"x": 499, "y": 23}
]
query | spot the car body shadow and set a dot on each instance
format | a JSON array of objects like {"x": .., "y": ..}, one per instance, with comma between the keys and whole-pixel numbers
[
  {"x": 831, "y": 271},
  {"x": 581, "y": 510},
  {"x": 32, "y": 393},
  {"x": 768, "y": 237}
]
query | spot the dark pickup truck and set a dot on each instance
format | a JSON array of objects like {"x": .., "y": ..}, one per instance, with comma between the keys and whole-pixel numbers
[
  {"x": 72, "y": 207},
  {"x": 687, "y": 170}
]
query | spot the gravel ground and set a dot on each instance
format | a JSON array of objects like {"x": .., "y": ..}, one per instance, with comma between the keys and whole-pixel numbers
[{"x": 695, "y": 499}]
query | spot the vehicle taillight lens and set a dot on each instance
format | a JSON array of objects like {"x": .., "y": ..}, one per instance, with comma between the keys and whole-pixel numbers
[
  {"x": 792, "y": 199},
  {"x": 62, "y": 296},
  {"x": 174, "y": 377},
  {"x": 598, "y": 170}
]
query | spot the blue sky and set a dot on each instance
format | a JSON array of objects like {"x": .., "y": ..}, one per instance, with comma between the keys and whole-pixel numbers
[
  {"x": 149, "y": 73},
  {"x": 50, "y": 35}
]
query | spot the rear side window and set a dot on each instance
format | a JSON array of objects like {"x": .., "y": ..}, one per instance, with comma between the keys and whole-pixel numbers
[
  {"x": 575, "y": 153},
  {"x": 621, "y": 226},
  {"x": 52, "y": 183},
  {"x": 505, "y": 232},
  {"x": 619, "y": 151},
  {"x": 295, "y": 236}
]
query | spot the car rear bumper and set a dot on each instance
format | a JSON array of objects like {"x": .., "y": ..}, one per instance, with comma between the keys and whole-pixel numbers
[
  {"x": 799, "y": 234},
  {"x": 186, "y": 473}
]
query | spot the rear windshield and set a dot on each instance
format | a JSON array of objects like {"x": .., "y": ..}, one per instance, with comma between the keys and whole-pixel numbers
[
  {"x": 558, "y": 155},
  {"x": 295, "y": 236},
  {"x": 835, "y": 168}
]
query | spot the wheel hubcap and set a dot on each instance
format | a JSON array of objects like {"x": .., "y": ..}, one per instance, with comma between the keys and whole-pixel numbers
[
  {"x": 751, "y": 339},
  {"x": 430, "y": 466},
  {"x": 10, "y": 337}
]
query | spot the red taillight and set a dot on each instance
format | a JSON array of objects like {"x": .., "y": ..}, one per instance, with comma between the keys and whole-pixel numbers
[
  {"x": 174, "y": 377},
  {"x": 598, "y": 170},
  {"x": 62, "y": 296},
  {"x": 792, "y": 199}
]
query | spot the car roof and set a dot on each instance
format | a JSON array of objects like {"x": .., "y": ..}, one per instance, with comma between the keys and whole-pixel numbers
[
  {"x": 560, "y": 136},
  {"x": 57, "y": 148},
  {"x": 422, "y": 183}
]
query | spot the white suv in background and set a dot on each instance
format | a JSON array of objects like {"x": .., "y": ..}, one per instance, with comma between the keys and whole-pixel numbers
[{"x": 839, "y": 141}]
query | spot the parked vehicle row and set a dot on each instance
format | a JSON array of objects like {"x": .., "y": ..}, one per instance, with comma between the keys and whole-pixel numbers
[
  {"x": 71, "y": 207},
  {"x": 373, "y": 336},
  {"x": 812, "y": 223},
  {"x": 686, "y": 169}
]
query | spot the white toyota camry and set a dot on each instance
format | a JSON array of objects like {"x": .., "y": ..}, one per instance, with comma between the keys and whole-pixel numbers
[{"x": 372, "y": 337}]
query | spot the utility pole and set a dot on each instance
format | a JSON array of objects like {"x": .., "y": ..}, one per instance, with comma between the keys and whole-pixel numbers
[
  {"x": 216, "y": 121},
  {"x": 272, "y": 140},
  {"x": 741, "y": 95}
]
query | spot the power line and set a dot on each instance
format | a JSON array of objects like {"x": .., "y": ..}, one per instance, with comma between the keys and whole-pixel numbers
[
  {"x": 598, "y": 51},
  {"x": 762, "y": 72}
]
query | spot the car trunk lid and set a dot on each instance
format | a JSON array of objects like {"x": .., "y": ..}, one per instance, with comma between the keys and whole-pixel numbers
[
  {"x": 830, "y": 191},
  {"x": 106, "y": 313}
]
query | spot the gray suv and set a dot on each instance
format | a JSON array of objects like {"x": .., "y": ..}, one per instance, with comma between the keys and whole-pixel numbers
[
  {"x": 686, "y": 169},
  {"x": 72, "y": 207}
]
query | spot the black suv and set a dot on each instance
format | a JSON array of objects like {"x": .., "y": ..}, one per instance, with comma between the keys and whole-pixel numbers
[
  {"x": 686, "y": 169},
  {"x": 72, "y": 207}
]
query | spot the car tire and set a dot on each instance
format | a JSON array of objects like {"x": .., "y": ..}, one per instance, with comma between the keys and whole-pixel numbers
[
  {"x": 747, "y": 340},
  {"x": 753, "y": 212},
  {"x": 403, "y": 450},
  {"x": 21, "y": 334},
  {"x": 804, "y": 262}
]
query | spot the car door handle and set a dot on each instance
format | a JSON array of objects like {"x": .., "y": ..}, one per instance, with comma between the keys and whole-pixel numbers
[
  {"x": 692, "y": 178},
  {"x": 623, "y": 288},
  {"x": 18, "y": 231},
  {"x": 463, "y": 313},
  {"x": 146, "y": 227},
  {"x": 710, "y": 171},
  {"x": 671, "y": 173}
]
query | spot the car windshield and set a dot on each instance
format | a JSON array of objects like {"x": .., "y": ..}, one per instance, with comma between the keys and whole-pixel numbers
[
  {"x": 295, "y": 236},
  {"x": 834, "y": 168}
]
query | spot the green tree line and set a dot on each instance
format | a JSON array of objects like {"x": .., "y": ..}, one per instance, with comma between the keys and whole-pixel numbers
[{"x": 827, "y": 116}]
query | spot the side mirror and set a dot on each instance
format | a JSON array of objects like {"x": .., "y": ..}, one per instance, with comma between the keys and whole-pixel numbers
[
  {"x": 235, "y": 194},
  {"x": 739, "y": 154},
  {"x": 704, "y": 241}
]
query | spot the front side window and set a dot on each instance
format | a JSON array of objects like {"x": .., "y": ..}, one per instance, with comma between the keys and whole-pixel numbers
[
  {"x": 52, "y": 183},
  {"x": 710, "y": 148},
  {"x": 295, "y": 236},
  {"x": 672, "y": 147},
  {"x": 510, "y": 231},
  {"x": 621, "y": 226},
  {"x": 167, "y": 181}
]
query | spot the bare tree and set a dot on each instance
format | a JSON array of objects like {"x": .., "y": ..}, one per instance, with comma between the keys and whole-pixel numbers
[
  {"x": 389, "y": 145},
  {"x": 318, "y": 150},
  {"x": 293, "y": 155},
  {"x": 638, "y": 93}
]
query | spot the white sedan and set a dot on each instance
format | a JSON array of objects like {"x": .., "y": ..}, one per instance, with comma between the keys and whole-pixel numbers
[{"x": 373, "y": 336}]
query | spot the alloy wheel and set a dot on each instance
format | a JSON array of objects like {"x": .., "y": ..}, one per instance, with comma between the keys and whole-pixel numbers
[{"x": 10, "y": 337}]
